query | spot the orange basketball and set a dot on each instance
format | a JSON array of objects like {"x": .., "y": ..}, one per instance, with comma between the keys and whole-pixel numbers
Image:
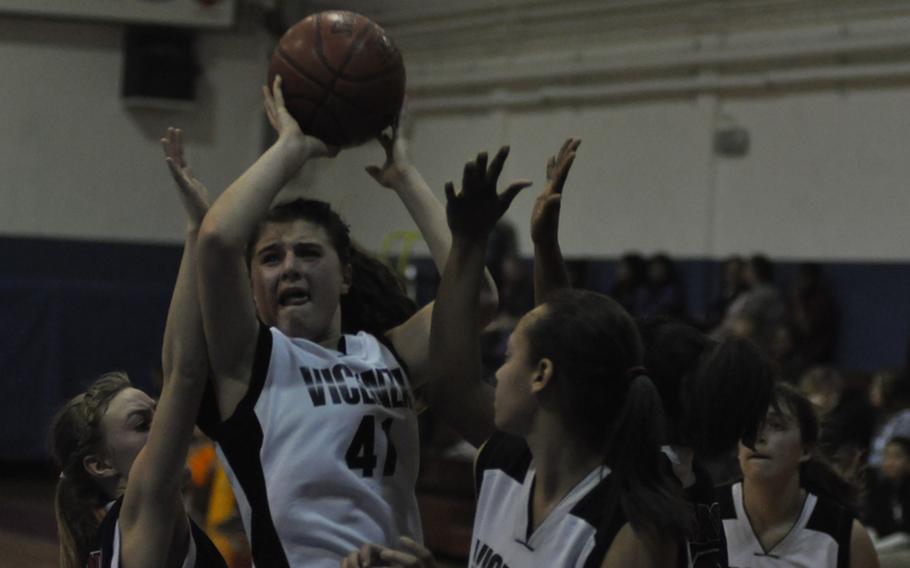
[{"x": 342, "y": 77}]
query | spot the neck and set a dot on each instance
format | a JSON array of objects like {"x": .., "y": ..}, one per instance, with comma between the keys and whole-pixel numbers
[
  {"x": 559, "y": 465},
  {"x": 770, "y": 502}
]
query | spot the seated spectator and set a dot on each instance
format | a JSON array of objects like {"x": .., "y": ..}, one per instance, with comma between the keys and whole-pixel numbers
[
  {"x": 815, "y": 315},
  {"x": 887, "y": 511},
  {"x": 895, "y": 401},
  {"x": 628, "y": 286},
  {"x": 846, "y": 415},
  {"x": 758, "y": 312},
  {"x": 790, "y": 362},
  {"x": 732, "y": 285},
  {"x": 888, "y": 501},
  {"x": 664, "y": 293}
]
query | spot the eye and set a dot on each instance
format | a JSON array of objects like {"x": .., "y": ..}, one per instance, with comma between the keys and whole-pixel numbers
[
  {"x": 269, "y": 258},
  {"x": 308, "y": 251}
]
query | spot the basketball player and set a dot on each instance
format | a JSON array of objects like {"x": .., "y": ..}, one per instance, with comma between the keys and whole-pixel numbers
[
  {"x": 791, "y": 508},
  {"x": 114, "y": 457},
  {"x": 315, "y": 416},
  {"x": 712, "y": 394},
  {"x": 568, "y": 472}
]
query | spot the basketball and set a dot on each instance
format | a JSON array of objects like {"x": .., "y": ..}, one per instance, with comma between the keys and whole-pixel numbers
[{"x": 342, "y": 77}]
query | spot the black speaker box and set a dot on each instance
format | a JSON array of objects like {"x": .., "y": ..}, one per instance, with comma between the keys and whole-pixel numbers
[{"x": 159, "y": 63}]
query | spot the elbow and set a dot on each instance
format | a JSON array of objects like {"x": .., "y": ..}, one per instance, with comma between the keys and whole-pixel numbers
[{"x": 215, "y": 241}]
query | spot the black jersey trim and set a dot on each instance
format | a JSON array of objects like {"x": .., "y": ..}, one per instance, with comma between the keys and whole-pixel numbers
[
  {"x": 207, "y": 556},
  {"x": 383, "y": 338},
  {"x": 724, "y": 495},
  {"x": 240, "y": 438},
  {"x": 505, "y": 452},
  {"x": 836, "y": 521},
  {"x": 209, "y": 417}
]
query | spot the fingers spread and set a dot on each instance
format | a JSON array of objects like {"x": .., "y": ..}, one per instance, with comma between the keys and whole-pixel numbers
[
  {"x": 513, "y": 190},
  {"x": 496, "y": 165}
]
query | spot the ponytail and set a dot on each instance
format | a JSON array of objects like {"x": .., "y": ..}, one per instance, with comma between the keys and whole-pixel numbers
[
  {"x": 76, "y": 507},
  {"x": 651, "y": 500},
  {"x": 376, "y": 301},
  {"x": 606, "y": 402}
]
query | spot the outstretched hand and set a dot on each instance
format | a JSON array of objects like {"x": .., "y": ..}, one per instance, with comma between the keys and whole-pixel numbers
[
  {"x": 397, "y": 162},
  {"x": 192, "y": 191},
  {"x": 413, "y": 555},
  {"x": 545, "y": 215},
  {"x": 474, "y": 212},
  {"x": 287, "y": 127}
]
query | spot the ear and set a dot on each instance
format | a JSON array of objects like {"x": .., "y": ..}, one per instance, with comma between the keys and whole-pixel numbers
[
  {"x": 543, "y": 374},
  {"x": 347, "y": 277},
  {"x": 98, "y": 467}
]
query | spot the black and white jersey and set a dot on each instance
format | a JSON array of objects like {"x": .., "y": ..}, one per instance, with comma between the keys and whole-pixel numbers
[
  {"x": 820, "y": 538},
  {"x": 201, "y": 553},
  {"x": 576, "y": 533},
  {"x": 322, "y": 452}
]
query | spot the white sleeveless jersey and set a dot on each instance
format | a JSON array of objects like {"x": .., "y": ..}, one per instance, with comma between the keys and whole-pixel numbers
[
  {"x": 322, "y": 453},
  {"x": 820, "y": 538},
  {"x": 576, "y": 533}
]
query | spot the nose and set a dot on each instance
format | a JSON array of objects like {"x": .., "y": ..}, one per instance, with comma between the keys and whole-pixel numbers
[{"x": 290, "y": 267}]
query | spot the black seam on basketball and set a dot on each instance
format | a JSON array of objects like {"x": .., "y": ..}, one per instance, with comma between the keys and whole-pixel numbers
[
  {"x": 354, "y": 47},
  {"x": 300, "y": 70}
]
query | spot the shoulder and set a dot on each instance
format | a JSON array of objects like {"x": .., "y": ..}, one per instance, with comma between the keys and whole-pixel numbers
[{"x": 725, "y": 499}]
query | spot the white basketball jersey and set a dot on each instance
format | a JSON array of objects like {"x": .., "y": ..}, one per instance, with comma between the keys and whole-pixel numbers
[
  {"x": 323, "y": 451},
  {"x": 574, "y": 534},
  {"x": 820, "y": 538}
]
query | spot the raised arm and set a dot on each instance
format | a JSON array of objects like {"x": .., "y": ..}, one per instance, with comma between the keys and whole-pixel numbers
[
  {"x": 549, "y": 268},
  {"x": 228, "y": 312},
  {"x": 152, "y": 519},
  {"x": 457, "y": 390},
  {"x": 398, "y": 173}
]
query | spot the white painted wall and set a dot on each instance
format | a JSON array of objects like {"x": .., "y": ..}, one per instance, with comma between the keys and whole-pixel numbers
[
  {"x": 826, "y": 176},
  {"x": 77, "y": 163}
]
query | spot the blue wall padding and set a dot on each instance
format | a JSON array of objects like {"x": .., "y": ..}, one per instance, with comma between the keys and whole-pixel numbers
[{"x": 70, "y": 310}]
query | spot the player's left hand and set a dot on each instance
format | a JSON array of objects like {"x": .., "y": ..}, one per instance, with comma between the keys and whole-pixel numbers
[
  {"x": 474, "y": 212},
  {"x": 545, "y": 216}
]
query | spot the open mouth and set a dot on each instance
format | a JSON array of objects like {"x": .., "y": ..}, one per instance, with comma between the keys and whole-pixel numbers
[{"x": 293, "y": 297}]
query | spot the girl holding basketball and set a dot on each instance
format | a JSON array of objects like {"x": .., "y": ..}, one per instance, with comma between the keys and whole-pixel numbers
[
  {"x": 791, "y": 508},
  {"x": 116, "y": 458},
  {"x": 315, "y": 356}
]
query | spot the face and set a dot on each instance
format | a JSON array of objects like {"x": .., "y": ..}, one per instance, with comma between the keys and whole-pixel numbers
[
  {"x": 514, "y": 402},
  {"x": 896, "y": 463},
  {"x": 779, "y": 448},
  {"x": 126, "y": 428},
  {"x": 298, "y": 280}
]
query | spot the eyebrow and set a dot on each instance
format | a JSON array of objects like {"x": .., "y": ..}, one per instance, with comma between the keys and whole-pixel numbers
[{"x": 144, "y": 410}]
